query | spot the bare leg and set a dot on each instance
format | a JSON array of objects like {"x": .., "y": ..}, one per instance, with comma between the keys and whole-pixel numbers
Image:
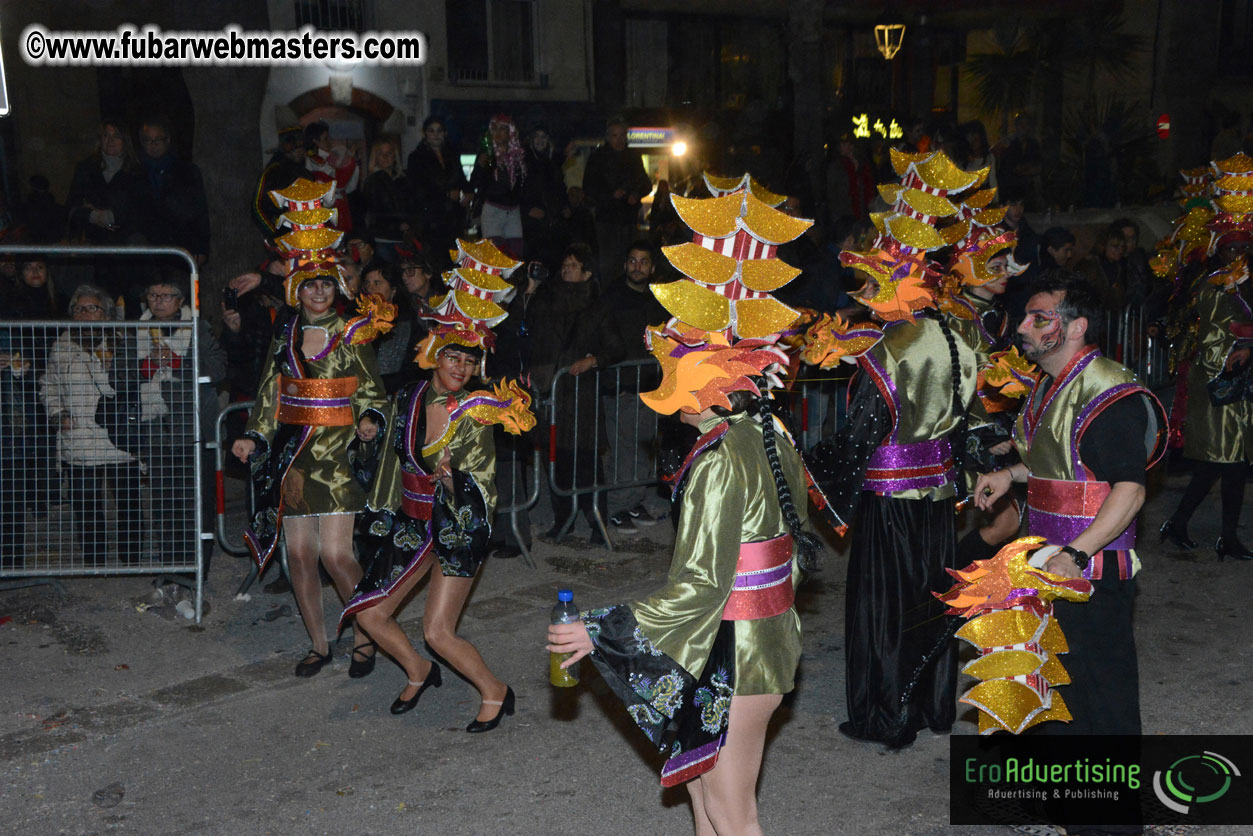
[
  {"x": 380, "y": 623},
  {"x": 444, "y": 601},
  {"x": 704, "y": 827},
  {"x": 302, "y": 560},
  {"x": 730, "y": 788}
]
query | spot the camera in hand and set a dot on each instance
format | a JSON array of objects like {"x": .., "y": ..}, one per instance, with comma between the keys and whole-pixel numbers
[
  {"x": 536, "y": 270},
  {"x": 230, "y": 299}
]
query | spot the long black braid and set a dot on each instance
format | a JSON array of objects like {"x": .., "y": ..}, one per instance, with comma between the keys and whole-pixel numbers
[
  {"x": 900, "y": 733},
  {"x": 806, "y": 544}
]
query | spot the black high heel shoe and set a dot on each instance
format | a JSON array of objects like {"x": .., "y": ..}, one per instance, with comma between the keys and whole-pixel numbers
[
  {"x": 1236, "y": 550},
  {"x": 506, "y": 707},
  {"x": 1176, "y": 534},
  {"x": 432, "y": 680}
]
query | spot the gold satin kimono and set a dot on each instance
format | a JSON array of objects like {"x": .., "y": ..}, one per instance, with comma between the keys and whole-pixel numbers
[
  {"x": 1216, "y": 433},
  {"x": 320, "y": 480},
  {"x": 729, "y": 498}
]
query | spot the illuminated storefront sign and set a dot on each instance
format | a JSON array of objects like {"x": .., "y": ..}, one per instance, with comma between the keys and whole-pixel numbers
[
  {"x": 649, "y": 137},
  {"x": 862, "y": 127}
]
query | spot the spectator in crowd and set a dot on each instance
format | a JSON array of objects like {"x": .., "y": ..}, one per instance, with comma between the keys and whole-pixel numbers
[
  {"x": 978, "y": 153},
  {"x": 1057, "y": 248},
  {"x": 581, "y": 225},
  {"x": 498, "y": 179},
  {"x": 89, "y": 393},
  {"x": 35, "y": 295},
  {"x": 625, "y": 309},
  {"x": 420, "y": 283},
  {"x": 388, "y": 199},
  {"x": 167, "y": 400},
  {"x": 286, "y": 166},
  {"x": 818, "y": 284},
  {"x": 442, "y": 191},
  {"x": 352, "y": 280},
  {"x": 1019, "y": 161},
  {"x": 1139, "y": 276},
  {"x": 327, "y": 162},
  {"x": 1105, "y": 268},
  {"x": 359, "y": 249},
  {"x": 249, "y": 317},
  {"x": 15, "y": 374},
  {"x": 544, "y": 206},
  {"x": 177, "y": 211},
  {"x": 664, "y": 226},
  {"x": 1026, "y": 250},
  {"x": 850, "y": 181},
  {"x": 107, "y": 191},
  {"x": 562, "y": 328},
  {"x": 393, "y": 351},
  {"x": 614, "y": 182}
]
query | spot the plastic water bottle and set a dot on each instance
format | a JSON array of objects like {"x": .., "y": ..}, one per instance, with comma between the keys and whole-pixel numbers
[{"x": 565, "y": 612}]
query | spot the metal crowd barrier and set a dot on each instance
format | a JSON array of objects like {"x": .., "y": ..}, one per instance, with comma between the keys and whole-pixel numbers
[
  {"x": 1129, "y": 340},
  {"x": 100, "y": 442}
]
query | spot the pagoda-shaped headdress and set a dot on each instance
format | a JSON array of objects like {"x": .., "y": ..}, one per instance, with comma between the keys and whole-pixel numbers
[
  {"x": 309, "y": 244},
  {"x": 473, "y": 305},
  {"x": 726, "y": 325},
  {"x": 721, "y": 186},
  {"x": 1232, "y": 198}
]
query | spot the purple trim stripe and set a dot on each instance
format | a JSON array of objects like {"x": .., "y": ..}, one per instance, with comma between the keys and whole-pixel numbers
[
  {"x": 887, "y": 386},
  {"x": 1032, "y": 417},
  {"x": 293, "y": 400},
  {"x": 763, "y": 578},
  {"x": 696, "y": 761},
  {"x": 1061, "y": 529},
  {"x": 904, "y": 459},
  {"x": 412, "y": 446},
  {"x": 1086, "y": 415}
]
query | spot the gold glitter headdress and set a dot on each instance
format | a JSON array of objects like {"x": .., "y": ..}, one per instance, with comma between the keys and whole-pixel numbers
[
  {"x": 719, "y": 186},
  {"x": 726, "y": 325},
  {"x": 1011, "y": 624},
  {"x": 308, "y": 245},
  {"x": 1233, "y": 200},
  {"x": 473, "y": 305}
]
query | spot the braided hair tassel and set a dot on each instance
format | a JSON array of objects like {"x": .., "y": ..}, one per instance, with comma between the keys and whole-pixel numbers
[{"x": 806, "y": 544}]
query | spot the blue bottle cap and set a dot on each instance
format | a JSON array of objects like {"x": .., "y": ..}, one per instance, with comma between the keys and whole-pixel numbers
[{"x": 565, "y": 595}]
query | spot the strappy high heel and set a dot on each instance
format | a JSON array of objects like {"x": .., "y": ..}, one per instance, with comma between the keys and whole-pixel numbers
[
  {"x": 506, "y": 707},
  {"x": 433, "y": 680}
]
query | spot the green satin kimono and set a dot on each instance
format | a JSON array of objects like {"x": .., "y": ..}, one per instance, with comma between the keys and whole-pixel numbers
[
  {"x": 324, "y": 479},
  {"x": 1216, "y": 433},
  {"x": 729, "y": 498}
]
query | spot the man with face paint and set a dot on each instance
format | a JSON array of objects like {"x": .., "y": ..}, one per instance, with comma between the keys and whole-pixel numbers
[{"x": 1088, "y": 432}]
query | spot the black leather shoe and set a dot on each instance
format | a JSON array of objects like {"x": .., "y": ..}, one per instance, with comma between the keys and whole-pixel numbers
[
  {"x": 1234, "y": 548},
  {"x": 506, "y": 707},
  {"x": 1177, "y": 534},
  {"x": 312, "y": 663},
  {"x": 362, "y": 663},
  {"x": 433, "y": 680}
]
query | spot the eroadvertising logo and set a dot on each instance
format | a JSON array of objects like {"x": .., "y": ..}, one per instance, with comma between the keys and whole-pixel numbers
[
  {"x": 1194, "y": 780},
  {"x": 1035, "y": 779}
]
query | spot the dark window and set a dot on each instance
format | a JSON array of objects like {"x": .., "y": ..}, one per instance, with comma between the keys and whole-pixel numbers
[
  {"x": 491, "y": 40},
  {"x": 336, "y": 15}
]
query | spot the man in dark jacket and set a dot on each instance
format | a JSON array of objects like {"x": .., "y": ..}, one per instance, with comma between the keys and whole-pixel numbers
[
  {"x": 625, "y": 309},
  {"x": 177, "y": 211},
  {"x": 615, "y": 181}
]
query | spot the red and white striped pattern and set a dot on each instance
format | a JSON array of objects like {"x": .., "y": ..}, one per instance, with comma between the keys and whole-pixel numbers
[
  {"x": 471, "y": 264},
  {"x": 913, "y": 181},
  {"x": 741, "y": 246}
]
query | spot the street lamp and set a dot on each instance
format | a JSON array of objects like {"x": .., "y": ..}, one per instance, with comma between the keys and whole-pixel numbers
[{"x": 888, "y": 37}]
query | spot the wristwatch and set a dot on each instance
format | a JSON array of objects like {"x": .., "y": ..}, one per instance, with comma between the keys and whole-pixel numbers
[{"x": 1081, "y": 558}]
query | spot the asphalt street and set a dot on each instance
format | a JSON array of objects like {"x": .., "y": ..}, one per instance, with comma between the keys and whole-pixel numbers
[{"x": 121, "y": 721}]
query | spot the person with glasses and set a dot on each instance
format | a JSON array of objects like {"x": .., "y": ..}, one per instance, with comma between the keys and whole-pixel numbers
[
  {"x": 168, "y": 418},
  {"x": 87, "y": 398},
  {"x": 176, "y": 211}
]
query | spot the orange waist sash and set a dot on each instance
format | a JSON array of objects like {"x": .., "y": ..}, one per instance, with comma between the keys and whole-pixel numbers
[{"x": 312, "y": 402}]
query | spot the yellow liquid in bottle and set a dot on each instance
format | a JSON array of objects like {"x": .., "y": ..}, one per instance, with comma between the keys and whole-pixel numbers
[{"x": 557, "y": 676}]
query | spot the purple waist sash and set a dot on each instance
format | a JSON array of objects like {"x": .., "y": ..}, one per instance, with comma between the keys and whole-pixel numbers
[{"x": 913, "y": 466}]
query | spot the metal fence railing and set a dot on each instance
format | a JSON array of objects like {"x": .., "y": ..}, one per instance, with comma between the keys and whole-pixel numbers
[
  {"x": 1129, "y": 339},
  {"x": 100, "y": 438}
]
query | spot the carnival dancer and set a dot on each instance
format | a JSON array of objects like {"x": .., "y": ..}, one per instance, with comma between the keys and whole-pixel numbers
[
  {"x": 1218, "y": 437},
  {"x": 703, "y": 662},
  {"x": 1087, "y": 433},
  {"x": 319, "y": 382},
  {"x": 438, "y": 474},
  {"x": 979, "y": 272},
  {"x": 896, "y": 465}
]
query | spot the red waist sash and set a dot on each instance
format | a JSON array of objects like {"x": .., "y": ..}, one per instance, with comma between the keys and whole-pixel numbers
[
  {"x": 418, "y": 495},
  {"x": 1059, "y": 511},
  {"x": 763, "y": 581}
]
